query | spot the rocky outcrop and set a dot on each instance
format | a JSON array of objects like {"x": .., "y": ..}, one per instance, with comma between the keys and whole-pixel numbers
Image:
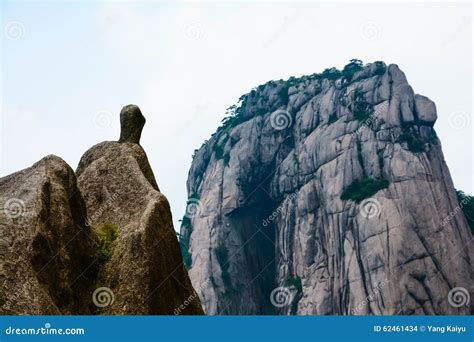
[
  {"x": 144, "y": 268},
  {"x": 48, "y": 253},
  {"x": 328, "y": 194},
  {"x": 105, "y": 245}
]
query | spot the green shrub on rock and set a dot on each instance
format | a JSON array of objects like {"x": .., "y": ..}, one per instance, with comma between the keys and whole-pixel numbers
[
  {"x": 107, "y": 234},
  {"x": 364, "y": 188}
]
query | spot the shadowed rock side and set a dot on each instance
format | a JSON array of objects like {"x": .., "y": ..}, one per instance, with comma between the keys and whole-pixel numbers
[
  {"x": 140, "y": 258},
  {"x": 48, "y": 256},
  {"x": 333, "y": 187}
]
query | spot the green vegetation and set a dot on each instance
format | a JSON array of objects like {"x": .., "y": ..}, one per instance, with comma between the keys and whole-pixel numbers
[
  {"x": 361, "y": 110},
  {"x": 218, "y": 150},
  {"x": 466, "y": 203},
  {"x": 364, "y": 188},
  {"x": 226, "y": 159},
  {"x": 380, "y": 159},
  {"x": 194, "y": 195},
  {"x": 379, "y": 68},
  {"x": 433, "y": 139},
  {"x": 219, "y": 145},
  {"x": 332, "y": 118},
  {"x": 351, "y": 68},
  {"x": 331, "y": 74},
  {"x": 414, "y": 143},
  {"x": 107, "y": 234},
  {"x": 186, "y": 255},
  {"x": 234, "y": 114},
  {"x": 294, "y": 282},
  {"x": 283, "y": 95},
  {"x": 184, "y": 240}
]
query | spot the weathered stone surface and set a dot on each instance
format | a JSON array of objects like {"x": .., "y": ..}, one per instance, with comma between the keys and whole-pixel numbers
[
  {"x": 271, "y": 214},
  {"x": 144, "y": 267},
  {"x": 104, "y": 246},
  {"x": 48, "y": 255},
  {"x": 131, "y": 124}
]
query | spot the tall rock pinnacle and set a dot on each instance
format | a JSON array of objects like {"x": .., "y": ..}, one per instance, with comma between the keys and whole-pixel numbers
[{"x": 131, "y": 124}]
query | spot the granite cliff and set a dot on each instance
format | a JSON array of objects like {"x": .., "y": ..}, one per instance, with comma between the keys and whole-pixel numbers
[{"x": 328, "y": 194}]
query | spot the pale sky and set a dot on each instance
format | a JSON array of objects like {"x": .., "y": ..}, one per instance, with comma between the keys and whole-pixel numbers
[{"x": 67, "y": 70}]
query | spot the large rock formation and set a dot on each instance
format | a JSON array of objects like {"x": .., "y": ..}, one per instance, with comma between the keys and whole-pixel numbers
[
  {"x": 47, "y": 252},
  {"x": 328, "y": 194},
  {"x": 104, "y": 246},
  {"x": 144, "y": 268}
]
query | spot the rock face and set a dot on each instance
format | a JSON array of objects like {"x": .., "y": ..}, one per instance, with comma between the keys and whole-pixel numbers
[
  {"x": 328, "y": 194},
  {"x": 48, "y": 253},
  {"x": 104, "y": 246}
]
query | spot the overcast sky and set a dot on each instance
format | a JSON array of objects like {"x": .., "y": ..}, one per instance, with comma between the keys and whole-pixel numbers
[{"x": 67, "y": 70}]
